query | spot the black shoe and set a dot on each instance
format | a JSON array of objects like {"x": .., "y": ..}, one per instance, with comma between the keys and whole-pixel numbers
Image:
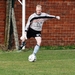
[{"x": 20, "y": 47}]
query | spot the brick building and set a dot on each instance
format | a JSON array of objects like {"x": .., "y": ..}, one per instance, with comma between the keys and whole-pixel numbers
[
  {"x": 2, "y": 20},
  {"x": 55, "y": 32}
]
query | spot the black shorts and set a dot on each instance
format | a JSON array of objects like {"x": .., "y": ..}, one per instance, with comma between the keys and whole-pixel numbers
[{"x": 33, "y": 33}]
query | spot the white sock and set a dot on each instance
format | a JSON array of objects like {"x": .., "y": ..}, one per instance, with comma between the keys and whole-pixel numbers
[{"x": 36, "y": 49}]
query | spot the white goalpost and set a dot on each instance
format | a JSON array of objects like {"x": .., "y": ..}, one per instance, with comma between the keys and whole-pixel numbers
[{"x": 23, "y": 17}]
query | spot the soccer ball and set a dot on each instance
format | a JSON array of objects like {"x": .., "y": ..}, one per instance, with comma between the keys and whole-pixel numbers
[{"x": 32, "y": 58}]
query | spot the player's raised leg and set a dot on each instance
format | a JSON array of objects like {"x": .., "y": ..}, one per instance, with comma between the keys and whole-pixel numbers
[{"x": 23, "y": 43}]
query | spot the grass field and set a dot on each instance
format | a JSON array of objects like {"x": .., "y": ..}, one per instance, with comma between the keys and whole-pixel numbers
[{"x": 49, "y": 62}]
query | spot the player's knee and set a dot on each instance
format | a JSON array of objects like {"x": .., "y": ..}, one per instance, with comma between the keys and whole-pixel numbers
[
  {"x": 22, "y": 38},
  {"x": 39, "y": 42}
]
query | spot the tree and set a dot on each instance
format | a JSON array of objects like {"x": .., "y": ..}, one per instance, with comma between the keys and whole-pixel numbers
[{"x": 11, "y": 27}]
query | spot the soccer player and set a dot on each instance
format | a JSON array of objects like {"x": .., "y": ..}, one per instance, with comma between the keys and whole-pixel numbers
[{"x": 33, "y": 27}]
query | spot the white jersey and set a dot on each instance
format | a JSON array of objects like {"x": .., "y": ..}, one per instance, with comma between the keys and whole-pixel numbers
[{"x": 36, "y": 21}]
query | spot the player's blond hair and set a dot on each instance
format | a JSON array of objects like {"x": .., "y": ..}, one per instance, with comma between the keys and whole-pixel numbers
[{"x": 38, "y": 6}]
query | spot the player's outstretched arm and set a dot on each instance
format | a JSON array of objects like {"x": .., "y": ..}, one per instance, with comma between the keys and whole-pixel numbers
[{"x": 53, "y": 16}]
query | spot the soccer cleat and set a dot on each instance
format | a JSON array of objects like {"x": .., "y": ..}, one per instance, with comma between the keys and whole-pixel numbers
[
  {"x": 23, "y": 47},
  {"x": 20, "y": 47}
]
